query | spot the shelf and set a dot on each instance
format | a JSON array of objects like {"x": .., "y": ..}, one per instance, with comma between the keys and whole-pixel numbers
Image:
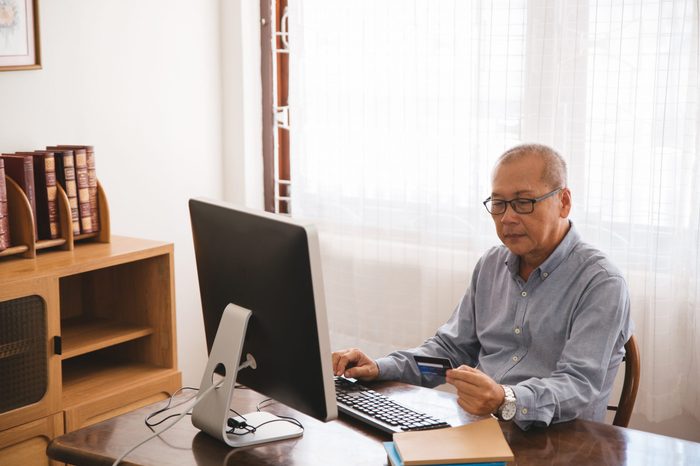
[
  {"x": 50, "y": 243},
  {"x": 85, "y": 236},
  {"x": 80, "y": 336},
  {"x": 22, "y": 230},
  {"x": 92, "y": 378},
  {"x": 110, "y": 302},
  {"x": 12, "y": 250}
]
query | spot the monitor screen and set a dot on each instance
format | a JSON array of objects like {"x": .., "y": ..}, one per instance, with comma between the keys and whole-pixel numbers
[{"x": 270, "y": 265}]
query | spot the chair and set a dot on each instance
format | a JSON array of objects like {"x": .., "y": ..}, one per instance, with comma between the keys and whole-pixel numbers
[{"x": 623, "y": 410}]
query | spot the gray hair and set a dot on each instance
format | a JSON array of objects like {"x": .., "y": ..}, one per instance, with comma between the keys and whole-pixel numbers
[{"x": 554, "y": 174}]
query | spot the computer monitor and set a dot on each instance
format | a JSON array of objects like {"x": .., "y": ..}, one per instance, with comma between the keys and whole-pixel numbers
[{"x": 270, "y": 265}]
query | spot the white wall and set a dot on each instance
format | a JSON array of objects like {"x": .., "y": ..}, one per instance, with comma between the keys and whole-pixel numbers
[
  {"x": 142, "y": 82},
  {"x": 242, "y": 102}
]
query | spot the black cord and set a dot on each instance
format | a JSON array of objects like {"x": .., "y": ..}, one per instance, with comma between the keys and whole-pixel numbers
[
  {"x": 167, "y": 407},
  {"x": 257, "y": 408},
  {"x": 251, "y": 429},
  {"x": 232, "y": 423}
]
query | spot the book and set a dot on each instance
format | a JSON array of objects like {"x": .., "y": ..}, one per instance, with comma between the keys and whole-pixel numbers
[
  {"x": 21, "y": 169},
  {"x": 81, "y": 180},
  {"x": 4, "y": 213},
  {"x": 393, "y": 458},
  {"x": 92, "y": 181},
  {"x": 45, "y": 189},
  {"x": 82, "y": 186},
  {"x": 476, "y": 442},
  {"x": 65, "y": 176}
]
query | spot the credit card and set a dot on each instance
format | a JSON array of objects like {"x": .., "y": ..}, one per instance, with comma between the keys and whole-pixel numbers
[{"x": 430, "y": 365}]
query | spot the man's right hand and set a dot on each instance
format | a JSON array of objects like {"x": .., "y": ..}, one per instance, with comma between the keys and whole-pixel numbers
[{"x": 354, "y": 363}]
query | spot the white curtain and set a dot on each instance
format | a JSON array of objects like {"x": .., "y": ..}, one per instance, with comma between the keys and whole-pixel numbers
[{"x": 400, "y": 108}]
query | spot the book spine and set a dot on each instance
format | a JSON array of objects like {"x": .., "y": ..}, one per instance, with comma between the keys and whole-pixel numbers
[
  {"x": 92, "y": 188},
  {"x": 31, "y": 193},
  {"x": 65, "y": 174},
  {"x": 21, "y": 169},
  {"x": 4, "y": 219},
  {"x": 51, "y": 193},
  {"x": 41, "y": 193},
  {"x": 81, "y": 177}
]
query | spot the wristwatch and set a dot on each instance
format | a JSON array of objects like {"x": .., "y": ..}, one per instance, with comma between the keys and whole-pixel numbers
[{"x": 506, "y": 411}]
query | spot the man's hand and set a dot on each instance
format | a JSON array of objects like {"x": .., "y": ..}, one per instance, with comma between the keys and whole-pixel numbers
[
  {"x": 478, "y": 393},
  {"x": 354, "y": 363}
]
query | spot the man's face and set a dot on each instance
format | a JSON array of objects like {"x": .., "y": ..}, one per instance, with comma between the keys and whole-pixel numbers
[{"x": 532, "y": 236}]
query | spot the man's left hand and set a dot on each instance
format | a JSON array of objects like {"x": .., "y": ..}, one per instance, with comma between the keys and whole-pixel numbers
[{"x": 478, "y": 393}]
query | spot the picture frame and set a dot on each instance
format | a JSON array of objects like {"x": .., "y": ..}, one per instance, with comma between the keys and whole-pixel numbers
[{"x": 19, "y": 35}]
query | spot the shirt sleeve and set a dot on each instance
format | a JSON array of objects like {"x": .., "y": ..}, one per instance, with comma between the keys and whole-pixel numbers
[
  {"x": 599, "y": 328},
  {"x": 456, "y": 340}
]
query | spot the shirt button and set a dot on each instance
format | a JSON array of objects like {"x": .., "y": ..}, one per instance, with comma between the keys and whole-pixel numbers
[
  {"x": 524, "y": 410},
  {"x": 517, "y": 330},
  {"x": 515, "y": 358},
  {"x": 523, "y": 294},
  {"x": 545, "y": 275}
]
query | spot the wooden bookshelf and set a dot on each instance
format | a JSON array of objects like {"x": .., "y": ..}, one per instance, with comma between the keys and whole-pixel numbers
[
  {"x": 109, "y": 334},
  {"x": 81, "y": 336},
  {"x": 23, "y": 242}
]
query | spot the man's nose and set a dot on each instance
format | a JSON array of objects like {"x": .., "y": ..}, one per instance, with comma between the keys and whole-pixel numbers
[{"x": 510, "y": 215}]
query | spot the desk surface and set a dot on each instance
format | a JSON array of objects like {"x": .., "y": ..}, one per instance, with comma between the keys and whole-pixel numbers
[{"x": 348, "y": 442}]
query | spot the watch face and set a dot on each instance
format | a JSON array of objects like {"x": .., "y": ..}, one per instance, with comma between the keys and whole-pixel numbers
[{"x": 508, "y": 411}]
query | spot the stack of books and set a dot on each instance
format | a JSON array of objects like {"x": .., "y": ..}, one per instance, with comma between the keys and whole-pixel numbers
[
  {"x": 478, "y": 443},
  {"x": 38, "y": 174}
]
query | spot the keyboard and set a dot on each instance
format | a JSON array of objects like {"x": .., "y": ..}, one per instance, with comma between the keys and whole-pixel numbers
[{"x": 378, "y": 410}]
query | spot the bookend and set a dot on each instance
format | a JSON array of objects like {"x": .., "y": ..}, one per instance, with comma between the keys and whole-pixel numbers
[
  {"x": 211, "y": 413},
  {"x": 22, "y": 236}
]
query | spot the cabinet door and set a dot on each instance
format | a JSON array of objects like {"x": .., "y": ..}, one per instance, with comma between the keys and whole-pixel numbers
[
  {"x": 29, "y": 368},
  {"x": 26, "y": 444}
]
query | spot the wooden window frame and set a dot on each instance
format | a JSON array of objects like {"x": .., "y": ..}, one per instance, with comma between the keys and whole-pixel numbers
[{"x": 275, "y": 93}]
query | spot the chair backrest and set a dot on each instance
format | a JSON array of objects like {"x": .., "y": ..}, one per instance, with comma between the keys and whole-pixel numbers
[{"x": 623, "y": 411}]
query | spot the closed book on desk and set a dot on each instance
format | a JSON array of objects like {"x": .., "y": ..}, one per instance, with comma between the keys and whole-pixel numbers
[
  {"x": 477, "y": 442},
  {"x": 395, "y": 460},
  {"x": 21, "y": 169}
]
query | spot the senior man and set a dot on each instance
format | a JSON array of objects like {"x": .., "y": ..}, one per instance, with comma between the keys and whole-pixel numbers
[{"x": 540, "y": 332}]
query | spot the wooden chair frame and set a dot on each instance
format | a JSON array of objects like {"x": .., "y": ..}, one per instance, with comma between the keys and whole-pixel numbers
[{"x": 623, "y": 411}]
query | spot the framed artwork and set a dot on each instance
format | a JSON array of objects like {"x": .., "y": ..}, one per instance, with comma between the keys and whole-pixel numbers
[{"x": 19, "y": 35}]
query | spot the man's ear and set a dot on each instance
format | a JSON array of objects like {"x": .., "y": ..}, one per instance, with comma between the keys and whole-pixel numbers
[{"x": 565, "y": 203}]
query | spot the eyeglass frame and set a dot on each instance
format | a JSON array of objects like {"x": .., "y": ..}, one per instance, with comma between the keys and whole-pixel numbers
[{"x": 510, "y": 202}]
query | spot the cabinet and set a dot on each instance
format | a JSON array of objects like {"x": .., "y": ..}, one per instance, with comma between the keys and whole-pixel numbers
[{"x": 102, "y": 324}]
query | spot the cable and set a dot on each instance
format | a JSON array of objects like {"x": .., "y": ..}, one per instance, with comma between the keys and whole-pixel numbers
[
  {"x": 234, "y": 424},
  {"x": 179, "y": 417},
  {"x": 251, "y": 429},
  {"x": 257, "y": 408},
  {"x": 167, "y": 407}
]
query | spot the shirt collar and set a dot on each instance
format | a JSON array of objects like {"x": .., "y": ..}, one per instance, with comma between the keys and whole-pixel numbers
[{"x": 555, "y": 258}]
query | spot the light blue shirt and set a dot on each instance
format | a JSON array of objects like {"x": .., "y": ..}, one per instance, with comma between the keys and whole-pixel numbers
[{"x": 557, "y": 339}]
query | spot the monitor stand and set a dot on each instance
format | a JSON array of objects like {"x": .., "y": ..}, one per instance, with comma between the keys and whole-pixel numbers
[{"x": 211, "y": 413}]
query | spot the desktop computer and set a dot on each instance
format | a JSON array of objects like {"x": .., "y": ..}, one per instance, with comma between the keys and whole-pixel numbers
[{"x": 264, "y": 315}]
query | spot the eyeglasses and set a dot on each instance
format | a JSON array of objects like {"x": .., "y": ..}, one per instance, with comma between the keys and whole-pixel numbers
[{"x": 520, "y": 205}]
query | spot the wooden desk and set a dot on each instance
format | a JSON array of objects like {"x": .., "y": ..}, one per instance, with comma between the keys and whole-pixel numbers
[{"x": 348, "y": 442}]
